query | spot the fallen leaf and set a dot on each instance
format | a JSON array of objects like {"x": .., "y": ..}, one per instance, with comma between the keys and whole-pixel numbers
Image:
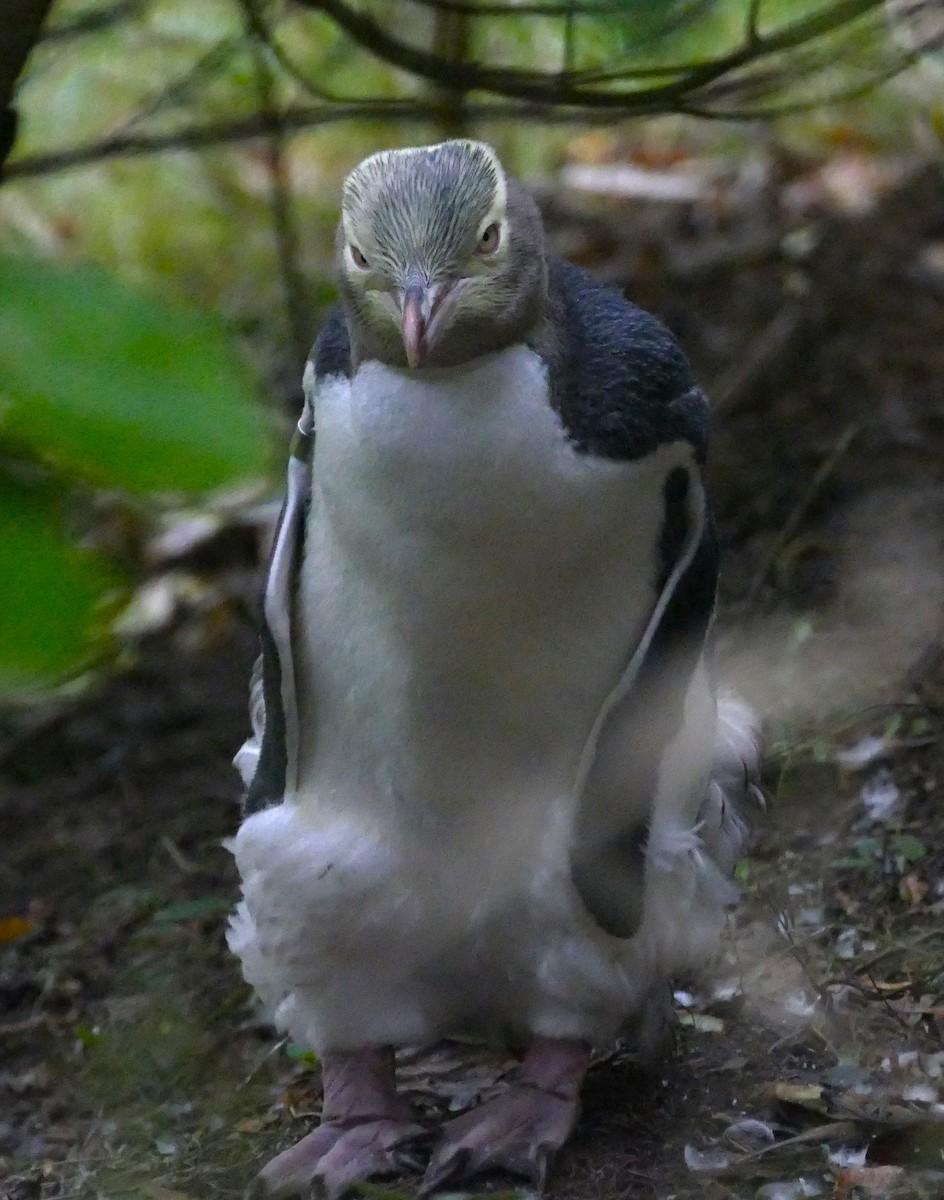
[
  {"x": 750, "y": 1134},
  {"x": 61, "y": 1132},
  {"x": 886, "y": 985},
  {"x": 156, "y": 1192},
  {"x": 849, "y": 905},
  {"x": 254, "y": 1124},
  {"x": 12, "y": 928},
  {"x": 865, "y": 752},
  {"x": 707, "y": 1161},
  {"x": 702, "y": 1022},
  {"x": 792, "y": 1189},
  {"x": 877, "y": 1181},
  {"x": 913, "y": 889},
  {"x": 880, "y": 796},
  {"x": 807, "y": 1095}
]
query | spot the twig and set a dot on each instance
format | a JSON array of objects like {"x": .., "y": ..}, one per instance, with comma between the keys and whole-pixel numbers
[
  {"x": 806, "y": 502},
  {"x": 929, "y": 935},
  {"x": 284, "y": 225},
  {"x": 732, "y": 392},
  {"x": 294, "y": 119},
  {"x": 93, "y": 22},
  {"x": 181, "y": 87},
  {"x": 451, "y": 43},
  {"x": 261, "y": 1062},
  {"x": 576, "y": 88},
  {"x": 753, "y": 12},
  {"x": 820, "y": 1133},
  {"x": 179, "y": 859}
]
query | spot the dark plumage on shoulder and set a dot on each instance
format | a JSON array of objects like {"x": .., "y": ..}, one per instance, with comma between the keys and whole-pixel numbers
[
  {"x": 331, "y": 353},
  {"x": 619, "y": 380}
]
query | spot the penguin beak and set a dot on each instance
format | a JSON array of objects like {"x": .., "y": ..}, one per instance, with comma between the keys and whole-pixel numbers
[
  {"x": 420, "y": 301},
  {"x": 414, "y": 310}
]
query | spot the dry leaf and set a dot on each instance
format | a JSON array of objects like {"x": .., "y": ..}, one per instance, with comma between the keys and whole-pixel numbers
[
  {"x": 250, "y": 1125},
  {"x": 886, "y": 985},
  {"x": 877, "y": 1181},
  {"x": 12, "y": 928},
  {"x": 808, "y": 1095},
  {"x": 156, "y": 1192},
  {"x": 913, "y": 889},
  {"x": 849, "y": 905},
  {"x": 703, "y": 1022}
]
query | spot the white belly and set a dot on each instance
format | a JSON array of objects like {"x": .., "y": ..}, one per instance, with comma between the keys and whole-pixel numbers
[
  {"x": 470, "y": 594},
  {"x": 471, "y": 591}
]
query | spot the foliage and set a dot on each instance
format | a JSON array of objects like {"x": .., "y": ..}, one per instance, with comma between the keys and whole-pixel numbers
[{"x": 100, "y": 387}]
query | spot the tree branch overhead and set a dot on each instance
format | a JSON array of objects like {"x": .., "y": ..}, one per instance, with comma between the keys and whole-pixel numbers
[{"x": 762, "y": 68}]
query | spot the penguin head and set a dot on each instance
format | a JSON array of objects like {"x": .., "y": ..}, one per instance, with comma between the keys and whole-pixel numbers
[{"x": 440, "y": 257}]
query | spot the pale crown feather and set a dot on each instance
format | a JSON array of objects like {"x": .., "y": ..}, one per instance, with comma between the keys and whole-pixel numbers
[{"x": 424, "y": 207}]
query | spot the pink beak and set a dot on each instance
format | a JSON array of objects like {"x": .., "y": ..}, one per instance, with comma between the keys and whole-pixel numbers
[{"x": 414, "y": 312}]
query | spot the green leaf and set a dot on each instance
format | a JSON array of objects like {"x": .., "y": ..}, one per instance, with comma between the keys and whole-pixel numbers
[
  {"x": 908, "y": 847},
  {"x": 120, "y": 388},
  {"x": 893, "y": 726},
  {"x": 301, "y": 1054},
  {"x": 52, "y": 594},
  {"x": 191, "y": 910},
  {"x": 88, "y": 1037}
]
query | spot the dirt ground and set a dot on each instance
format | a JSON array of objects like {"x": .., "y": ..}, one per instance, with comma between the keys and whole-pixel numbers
[{"x": 132, "y": 1063}]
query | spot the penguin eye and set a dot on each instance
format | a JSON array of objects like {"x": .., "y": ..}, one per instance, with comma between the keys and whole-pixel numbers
[
  {"x": 489, "y": 239},
  {"x": 359, "y": 259}
]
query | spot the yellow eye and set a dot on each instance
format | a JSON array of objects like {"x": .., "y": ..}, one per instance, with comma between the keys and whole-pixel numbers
[
  {"x": 490, "y": 239},
  {"x": 359, "y": 258}
]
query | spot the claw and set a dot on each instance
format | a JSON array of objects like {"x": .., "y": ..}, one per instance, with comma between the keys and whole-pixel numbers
[
  {"x": 521, "y": 1130},
  {"x": 332, "y": 1159},
  {"x": 444, "y": 1169},
  {"x": 518, "y": 1132},
  {"x": 365, "y": 1131}
]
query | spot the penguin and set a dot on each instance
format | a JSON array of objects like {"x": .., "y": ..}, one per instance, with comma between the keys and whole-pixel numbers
[{"x": 495, "y": 789}]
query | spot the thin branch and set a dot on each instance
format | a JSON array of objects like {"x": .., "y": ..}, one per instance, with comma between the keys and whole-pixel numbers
[
  {"x": 557, "y": 89},
  {"x": 824, "y": 473},
  {"x": 284, "y": 224},
  {"x": 570, "y": 34},
  {"x": 294, "y": 71},
  {"x": 96, "y": 21},
  {"x": 792, "y": 108},
  {"x": 753, "y": 12},
  {"x": 180, "y": 87},
  {"x": 695, "y": 75},
  {"x": 451, "y": 32},
  {"x": 23, "y": 23},
  {"x": 548, "y": 9},
  {"x": 241, "y": 129},
  {"x": 551, "y": 98}
]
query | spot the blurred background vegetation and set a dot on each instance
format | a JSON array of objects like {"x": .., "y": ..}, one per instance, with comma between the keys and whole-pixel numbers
[{"x": 167, "y": 212}]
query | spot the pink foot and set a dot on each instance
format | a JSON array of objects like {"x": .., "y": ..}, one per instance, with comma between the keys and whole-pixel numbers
[
  {"x": 521, "y": 1130},
  {"x": 364, "y": 1132}
]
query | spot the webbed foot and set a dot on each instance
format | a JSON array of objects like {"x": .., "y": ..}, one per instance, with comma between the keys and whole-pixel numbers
[
  {"x": 365, "y": 1131},
  {"x": 332, "y": 1158},
  {"x": 519, "y": 1131}
]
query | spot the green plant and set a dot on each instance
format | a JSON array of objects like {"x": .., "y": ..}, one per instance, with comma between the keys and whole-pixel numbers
[{"x": 102, "y": 387}]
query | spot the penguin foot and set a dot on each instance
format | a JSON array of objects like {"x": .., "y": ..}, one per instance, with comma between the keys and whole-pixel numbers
[
  {"x": 519, "y": 1131},
  {"x": 365, "y": 1131},
  {"x": 329, "y": 1161}
]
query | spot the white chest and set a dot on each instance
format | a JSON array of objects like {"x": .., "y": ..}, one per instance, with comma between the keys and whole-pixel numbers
[{"x": 471, "y": 587}]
